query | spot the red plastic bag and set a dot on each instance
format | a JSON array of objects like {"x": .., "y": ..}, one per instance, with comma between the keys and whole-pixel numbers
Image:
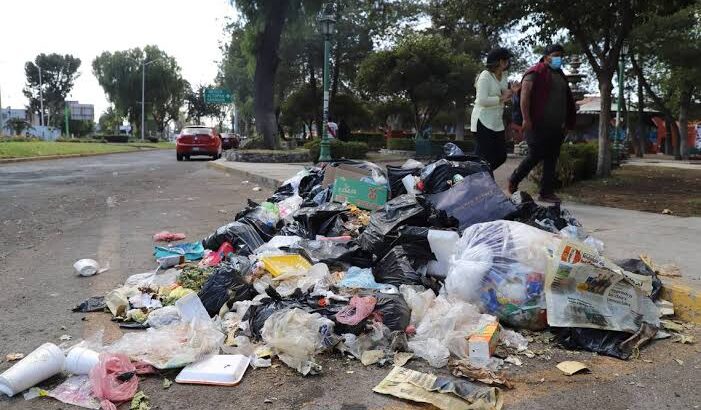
[
  {"x": 358, "y": 309},
  {"x": 166, "y": 236},
  {"x": 215, "y": 258},
  {"x": 111, "y": 379}
]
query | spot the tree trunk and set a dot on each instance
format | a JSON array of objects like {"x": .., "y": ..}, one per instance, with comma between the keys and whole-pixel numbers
[
  {"x": 318, "y": 120},
  {"x": 668, "y": 135},
  {"x": 642, "y": 139},
  {"x": 603, "y": 165},
  {"x": 460, "y": 106},
  {"x": 685, "y": 102},
  {"x": 266, "y": 65}
]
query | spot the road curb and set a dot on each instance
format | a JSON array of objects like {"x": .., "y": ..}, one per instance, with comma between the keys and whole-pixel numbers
[
  {"x": 50, "y": 157},
  {"x": 686, "y": 300},
  {"x": 261, "y": 180}
]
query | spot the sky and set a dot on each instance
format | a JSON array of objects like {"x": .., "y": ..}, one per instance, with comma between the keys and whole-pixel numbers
[{"x": 191, "y": 31}]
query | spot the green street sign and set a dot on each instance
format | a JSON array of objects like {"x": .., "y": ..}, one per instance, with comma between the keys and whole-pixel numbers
[{"x": 217, "y": 96}]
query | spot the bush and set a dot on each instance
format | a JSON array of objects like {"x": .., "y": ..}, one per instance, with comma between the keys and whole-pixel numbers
[
  {"x": 79, "y": 140},
  {"x": 375, "y": 140},
  {"x": 116, "y": 138},
  {"x": 19, "y": 138},
  {"x": 252, "y": 143},
  {"x": 339, "y": 149},
  {"x": 401, "y": 144},
  {"x": 577, "y": 163}
]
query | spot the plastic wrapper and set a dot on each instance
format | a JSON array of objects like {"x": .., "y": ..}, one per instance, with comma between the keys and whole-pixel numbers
[
  {"x": 163, "y": 317},
  {"x": 296, "y": 336},
  {"x": 431, "y": 350},
  {"x": 641, "y": 268},
  {"x": 227, "y": 283},
  {"x": 450, "y": 150},
  {"x": 476, "y": 199},
  {"x": 513, "y": 339},
  {"x": 329, "y": 252},
  {"x": 357, "y": 310},
  {"x": 500, "y": 266},
  {"x": 402, "y": 210},
  {"x": 241, "y": 235},
  {"x": 357, "y": 278},
  {"x": 191, "y": 251},
  {"x": 289, "y": 206},
  {"x": 295, "y": 228},
  {"x": 393, "y": 310},
  {"x": 418, "y": 299},
  {"x": 395, "y": 176}
]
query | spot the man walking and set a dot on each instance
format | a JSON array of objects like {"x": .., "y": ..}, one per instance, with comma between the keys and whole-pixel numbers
[{"x": 548, "y": 110}]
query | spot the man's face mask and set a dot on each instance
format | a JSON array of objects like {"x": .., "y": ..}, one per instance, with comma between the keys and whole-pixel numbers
[{"x": 555, "y": 62}]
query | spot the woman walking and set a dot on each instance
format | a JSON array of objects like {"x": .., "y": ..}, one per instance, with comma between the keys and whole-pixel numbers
[{"x": 487, "y": 123}]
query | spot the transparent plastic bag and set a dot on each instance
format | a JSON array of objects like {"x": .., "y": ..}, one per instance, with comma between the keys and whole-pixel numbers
[
  {"x": 357, "y": 278},
  {"x": 431, "y": 350},
  {"x": 418, "y": 300},
  {"x": 296, "y": 336},
  {"x": 163, "y": 317},
  {"x": 500, "y": 266}
]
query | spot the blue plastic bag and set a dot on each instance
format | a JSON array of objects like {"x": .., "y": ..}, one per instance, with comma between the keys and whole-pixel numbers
[{"x": 192, "y": 251}]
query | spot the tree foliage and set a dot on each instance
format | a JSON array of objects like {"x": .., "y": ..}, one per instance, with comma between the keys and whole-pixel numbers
[
  {"x": 197, "y": 108},
  {"x": 58, "y": 75}
]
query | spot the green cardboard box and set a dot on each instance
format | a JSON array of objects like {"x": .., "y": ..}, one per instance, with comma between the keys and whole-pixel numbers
[{"x": 349, "y": 188}]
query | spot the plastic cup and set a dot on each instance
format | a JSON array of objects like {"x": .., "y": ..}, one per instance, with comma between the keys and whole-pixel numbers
[
  {"x": 86, "y": 267},
  {"x": 44, "y": 362},
  {"x": 80, "y": 360}
]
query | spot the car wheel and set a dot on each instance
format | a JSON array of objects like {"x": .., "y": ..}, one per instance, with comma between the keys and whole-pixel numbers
[
  {"x": 187, "y": 157},
  {"x": 179, "y": 157}
]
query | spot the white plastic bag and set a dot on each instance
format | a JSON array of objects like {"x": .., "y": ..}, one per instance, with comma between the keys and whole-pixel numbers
[
  {"x": 500, "y": 266},
  {"x": 418, "y": 300},
  {"x": 163, "y": 317},
  {"x": 296, "y": 336},
  {"x": 431, "y": 350}
]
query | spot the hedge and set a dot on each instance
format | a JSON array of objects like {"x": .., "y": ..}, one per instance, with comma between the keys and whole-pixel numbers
[
  {"x": 577, "y": 163},
  {"x": 375, "y": 140},
  {"x": 402, "y": 144},
  {"x": 339, "y": 149}
]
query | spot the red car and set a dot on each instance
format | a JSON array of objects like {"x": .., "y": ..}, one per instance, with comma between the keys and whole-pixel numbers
[
  {"x": 229, "y": 140},
  {"x": 198, "y": 140}
]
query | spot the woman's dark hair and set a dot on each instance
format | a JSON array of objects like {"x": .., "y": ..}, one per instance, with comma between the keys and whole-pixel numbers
[{"x": 496, "y": 55}]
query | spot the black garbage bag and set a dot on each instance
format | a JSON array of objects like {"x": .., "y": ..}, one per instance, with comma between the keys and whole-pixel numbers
[
  {"x": 316, "y": 196},
  {"x": 295, "y": 228},
  {"x": 548, "y": 218},
  {"x": 394, "y": 310},
  {"x": 641, "y": 268},
  {"x": 256, "y": 315},
  {"x": 309, "y": 182},
  {"x": 451, "y": 150},
  {"x": 476, "y": 199},
  {"x": 439, "y": 176},
  {"x": 328, "y": 252},
  {"x": 394, "y": 177},
  {"x": 241, "y": 235},
  {"x": 402, "y": 210},
  {"x": 607, "y": 342},
  {"x": 399, "y": 266},
  {"x": 227, "y": 284},
  {"x": 326, "y": 219},
  {"x": 281, "y": 193}
]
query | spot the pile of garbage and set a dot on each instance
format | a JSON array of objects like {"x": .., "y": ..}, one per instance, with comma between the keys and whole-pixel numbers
[{"x": 431, "y": 261}]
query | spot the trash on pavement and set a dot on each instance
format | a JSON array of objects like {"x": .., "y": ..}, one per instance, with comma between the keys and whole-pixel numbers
[
  {"x": 92, "y": 304},
  {"x": 442, "y": 392},
  {"x": 140, "y": 401},
  {"x": 218, "y": 370},
  {"x": 279, "y": 265},
  {"x": 88, "y": 267},
  {"x": 80, "y": 360},
  {"x": 75, "y": 390},
  {"x": 483, "y": 343},
  {"x": 191, "y": 251},
  {"x": 45, "y": 361},
  {"x": 358, "y": 309},
  {"x": 165, "y": 236},
  {"x": 356, "y": 186},
  {"x": 11, "y": 357},
  {"x": 571, "y": 367},
  {"x": 464, "y": 368}
]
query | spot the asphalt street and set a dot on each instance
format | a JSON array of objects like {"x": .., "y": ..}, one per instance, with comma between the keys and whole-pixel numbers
[{"x": 108, "y": 207}]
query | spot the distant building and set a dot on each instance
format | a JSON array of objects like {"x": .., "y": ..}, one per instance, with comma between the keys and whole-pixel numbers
[{"x": 81, "y": 112}]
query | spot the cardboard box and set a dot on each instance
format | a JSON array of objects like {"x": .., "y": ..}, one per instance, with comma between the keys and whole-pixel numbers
[
  {"x": 349, "y": 187},
  {"x": 483, "y": 343}
]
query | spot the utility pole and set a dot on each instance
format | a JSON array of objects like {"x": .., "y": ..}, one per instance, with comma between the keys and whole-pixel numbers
[{"x": 143, "y": 92}]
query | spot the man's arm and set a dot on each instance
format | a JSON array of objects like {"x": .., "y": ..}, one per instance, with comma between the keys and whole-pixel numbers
[{"x": 526, "y": 92}]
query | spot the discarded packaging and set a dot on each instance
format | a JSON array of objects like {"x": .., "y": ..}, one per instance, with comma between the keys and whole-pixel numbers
[
  {"x": 285, "y": 264},
  {"x": 571, "y": 367},
  {"x": 81, "y": 360},
  {"x": 44, "y": 362},
  {"x": 483, "y": 342},
  {"x": 165, "y": 236},
  {"x": 87, "y": 267},
  {"x": 218, "y": 370},
  {"x": 464, "y": 368}
]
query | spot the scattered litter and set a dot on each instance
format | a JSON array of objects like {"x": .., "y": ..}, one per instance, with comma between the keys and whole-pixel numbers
[
  {"x": 667, "y": 211},
  {"x": 65, "y": 338},
  {"x": 483, "y": 342},
  {"x": 140, "y": 402},
  {"x": 92, "y": 304},
  {"x": 369, "y": 357},
  {"x": 402, "y": 358},
  {"x": 679, "y": 362},
  {"x": 167, "y": 383},
  {"x": 571, "y": 367},
  {"x": 165, "y": 236},
  {"x": 45, "y": 361},
  {"x": 257, "y": 188},
  {"x": 513, "y": 360},
  {"x": 463, "y": 368},
  {"x": 89, "y": 267},
  {"x": 684, "y": 339},
  {"x": 11, "y": 357},
  {"x": 219, "y": 370}
]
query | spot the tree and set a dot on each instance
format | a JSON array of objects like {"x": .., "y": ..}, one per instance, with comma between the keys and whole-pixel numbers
[
  {"x": 600, "y": 33},
  {"x": 119, "y": 74},
  {"x": 58, "y": 75},
  {"x": 197, "y": 108},
  {"x": 17, "y": 125},
  {"x": 236, "y": 72},
  {"x": 110, "y": 121},
  {"x": 421, "y": 68}
]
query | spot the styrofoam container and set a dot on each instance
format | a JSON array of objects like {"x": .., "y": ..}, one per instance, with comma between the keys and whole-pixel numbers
[
  {"x": 86, "y": 267},
  {"x": 44, "y": 362},
  {"x": 80, "y": 360},
  {"x": 219, "y": 370}
]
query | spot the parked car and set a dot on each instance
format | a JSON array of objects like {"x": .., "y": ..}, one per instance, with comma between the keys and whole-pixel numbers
[
  {"x": 229, "y": 140},
  {"x": 198, "y": 140}
]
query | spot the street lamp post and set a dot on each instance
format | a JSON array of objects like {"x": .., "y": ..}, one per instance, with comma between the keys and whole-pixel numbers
[
  {"x": 327, "y": 23},
  {"x": 41, "y": 99},
  {"x": 621, "y": 68}
]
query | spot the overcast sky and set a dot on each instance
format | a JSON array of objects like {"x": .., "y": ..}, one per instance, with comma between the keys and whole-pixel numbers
[{"x": 190, "y": 31}]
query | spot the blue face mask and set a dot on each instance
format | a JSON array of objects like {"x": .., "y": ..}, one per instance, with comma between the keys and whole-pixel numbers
[{"x": 555, "y": 62}]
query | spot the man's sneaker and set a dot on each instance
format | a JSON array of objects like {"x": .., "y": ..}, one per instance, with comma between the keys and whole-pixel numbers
[
  {"x": 513, "y": 187},
  {"x": 551, "y": 198}
]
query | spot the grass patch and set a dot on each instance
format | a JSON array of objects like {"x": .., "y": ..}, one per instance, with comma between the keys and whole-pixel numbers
[
  {"x": 46, "y": 148},
  {"x": 649, "y": 189}
]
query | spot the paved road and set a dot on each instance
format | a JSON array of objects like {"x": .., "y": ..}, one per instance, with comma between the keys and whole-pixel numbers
[{"x": 54, "y": 212}]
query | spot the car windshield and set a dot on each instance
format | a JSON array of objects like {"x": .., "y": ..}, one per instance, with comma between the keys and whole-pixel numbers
[{"x": 197, "y": 131}]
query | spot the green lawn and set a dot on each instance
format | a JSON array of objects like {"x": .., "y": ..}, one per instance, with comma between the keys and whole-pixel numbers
[{"x": 44, "y": 148}]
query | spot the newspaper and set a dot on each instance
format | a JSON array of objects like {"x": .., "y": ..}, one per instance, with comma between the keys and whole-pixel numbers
[{"x": 584, "y": 289}]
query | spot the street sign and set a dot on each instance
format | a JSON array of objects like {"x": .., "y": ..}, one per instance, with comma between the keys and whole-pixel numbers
[{"x": 217, "y": 96}]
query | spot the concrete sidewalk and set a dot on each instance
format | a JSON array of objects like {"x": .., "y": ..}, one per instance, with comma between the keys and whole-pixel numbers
[{"x": 625, "y": 233}]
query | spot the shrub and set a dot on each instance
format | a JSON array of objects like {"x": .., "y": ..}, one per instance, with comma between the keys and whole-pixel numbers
[
  {"x": 252, "y": 143},
  {"x": 19, "y": 138},
  {"x": 577, "y": 163},
  {"x": 401, "y": 144},
  {"x": 339, "y": 149},
  {"x": 116, "y": 138},
  {"x": 375, "y": 140},
  {"x": 78, "y": 140}
]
